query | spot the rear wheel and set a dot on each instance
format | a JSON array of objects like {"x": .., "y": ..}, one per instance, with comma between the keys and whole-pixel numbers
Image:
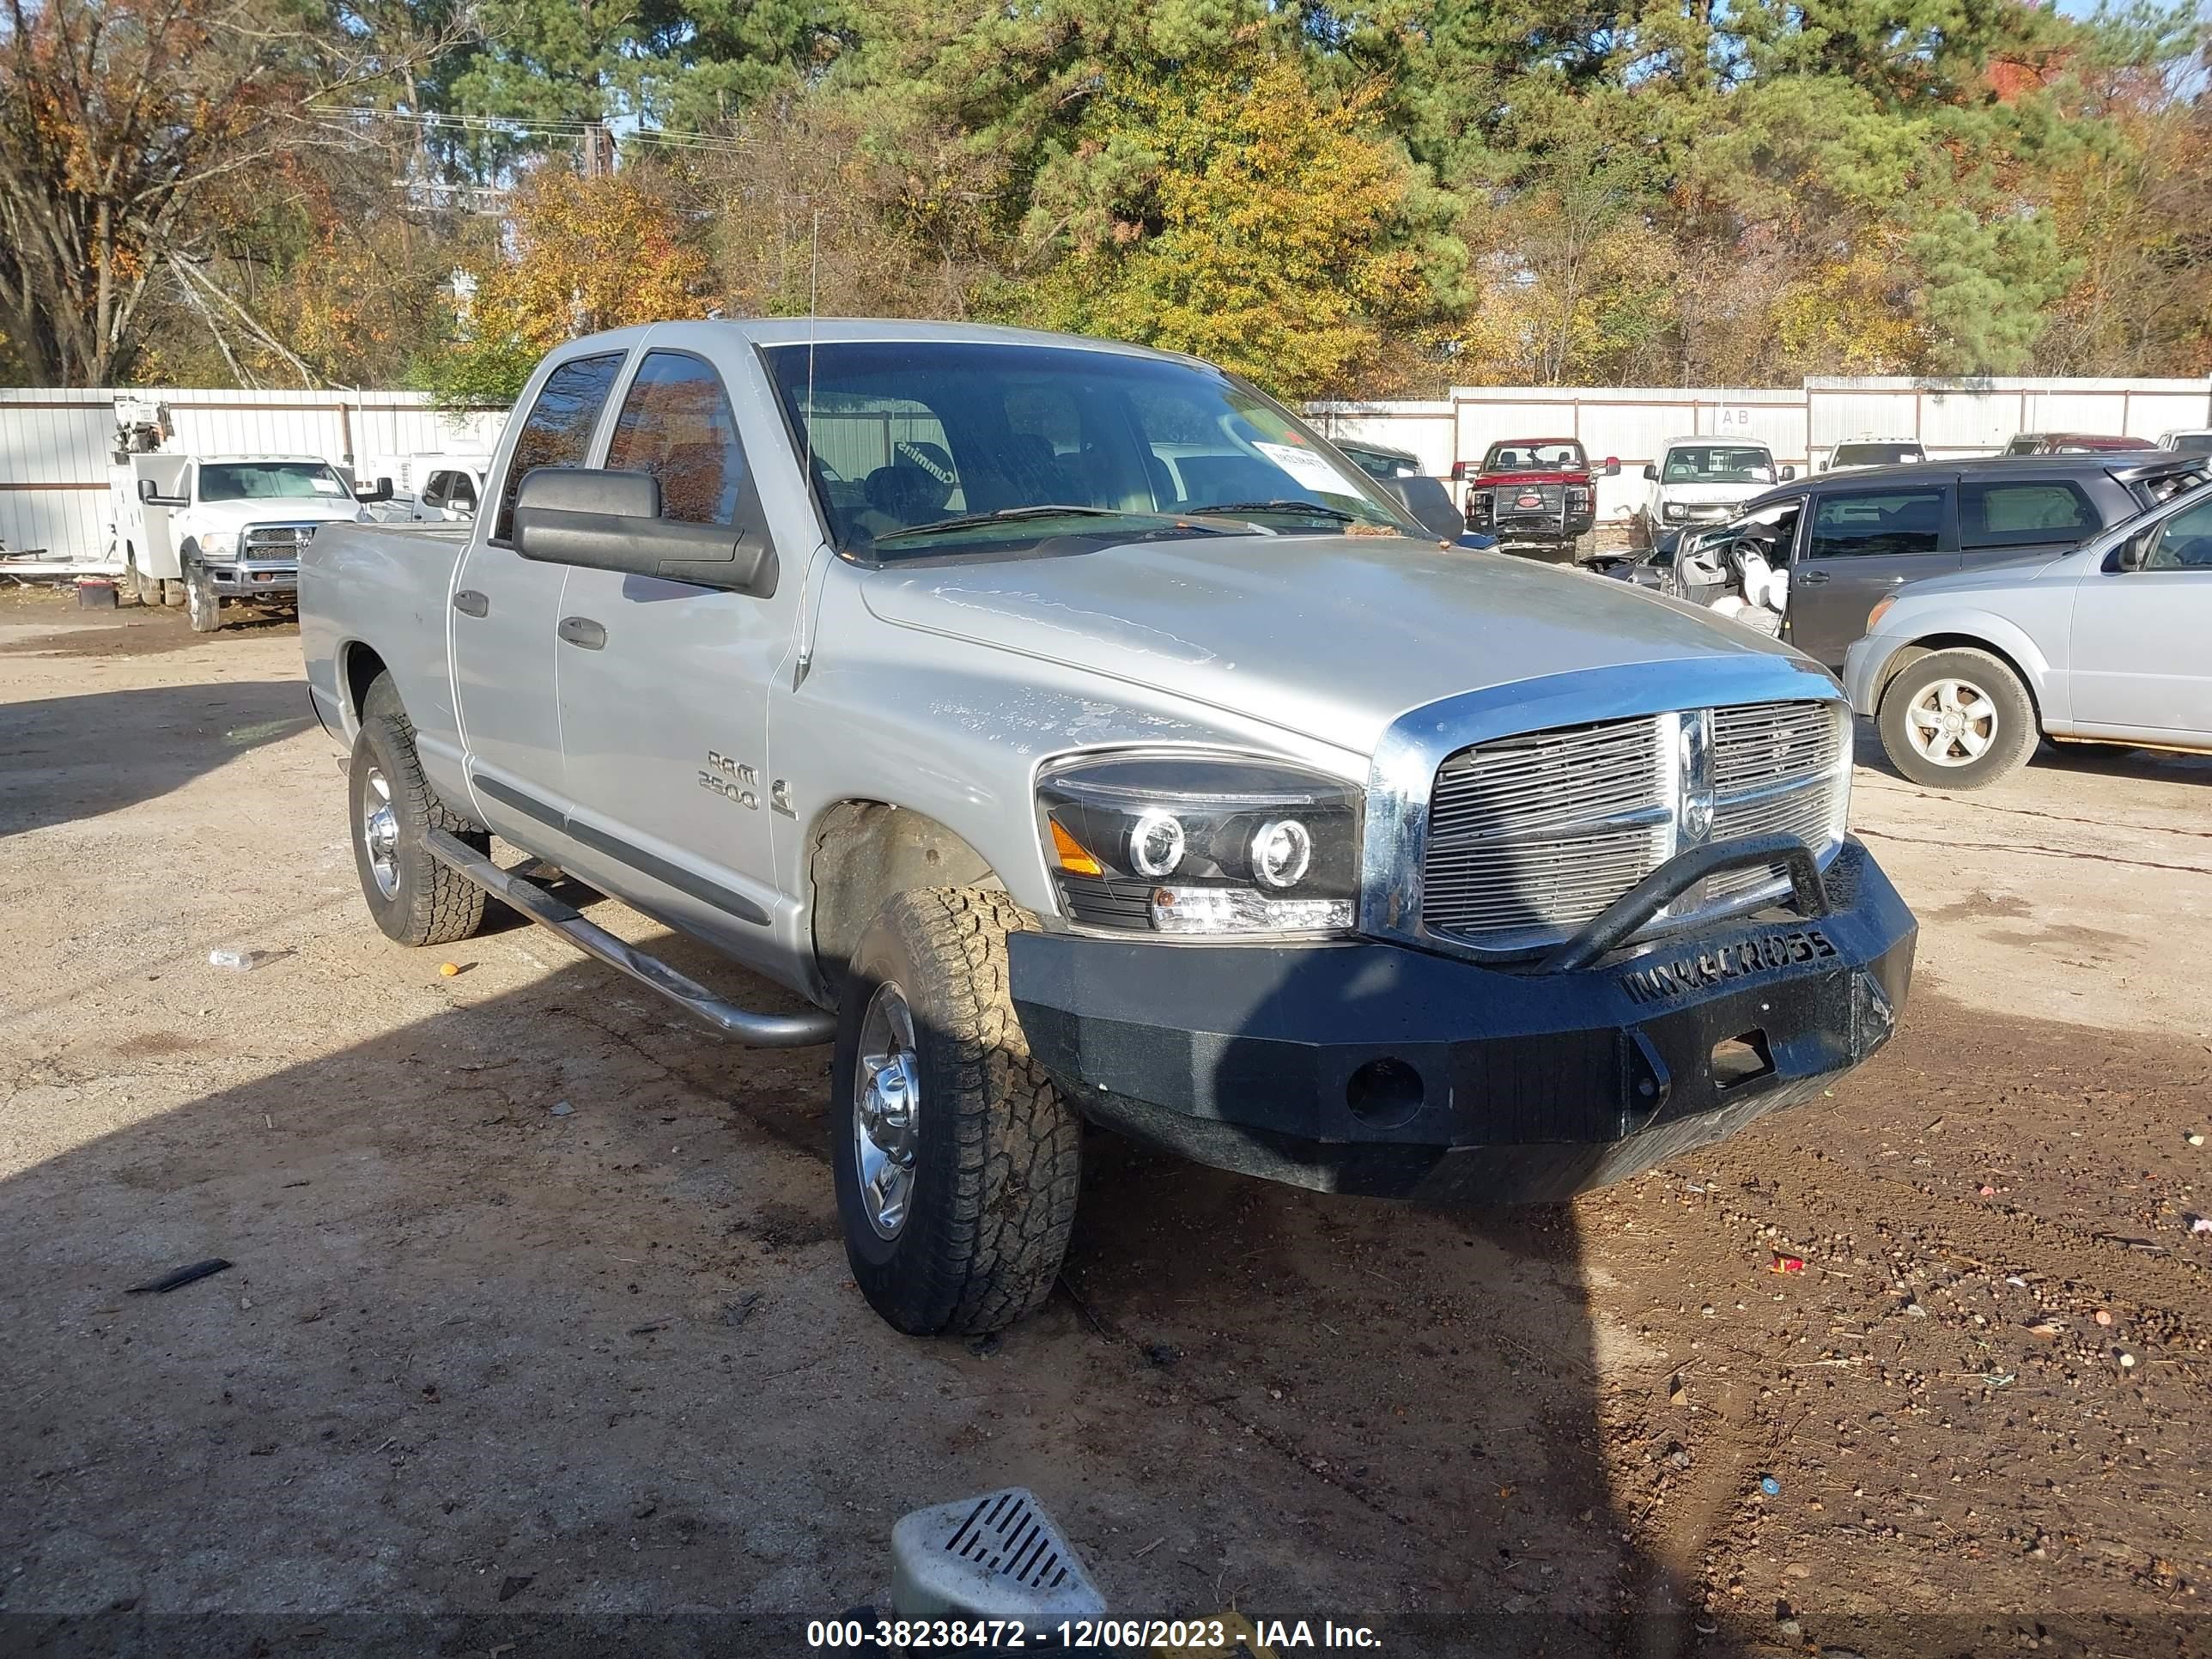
[
  {"x": 956, "y": 1160},
  {"x": 148, "y": 588},
  {"x": 1957, "y": 719},
  {"x": 392, "y": 807}
]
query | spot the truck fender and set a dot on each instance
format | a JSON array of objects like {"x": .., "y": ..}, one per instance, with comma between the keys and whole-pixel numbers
[{"x": 859, "y": 853}]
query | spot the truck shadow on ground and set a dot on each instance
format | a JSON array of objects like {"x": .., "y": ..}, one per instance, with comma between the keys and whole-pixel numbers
[
  {"x": 66, "y": 758},
  {"x": 539, "y": 1330}
]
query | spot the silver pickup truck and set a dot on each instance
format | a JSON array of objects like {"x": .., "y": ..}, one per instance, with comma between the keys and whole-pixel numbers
[{"x": 1086, "y": 739}]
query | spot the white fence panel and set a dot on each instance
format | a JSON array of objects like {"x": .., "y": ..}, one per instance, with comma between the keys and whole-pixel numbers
[
  {"x": 56, "y": 445},
  {"x": 1951, "y": 418}
]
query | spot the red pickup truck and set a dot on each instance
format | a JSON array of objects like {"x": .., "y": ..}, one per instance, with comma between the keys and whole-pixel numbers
[{"x": 1537, "y": 495}]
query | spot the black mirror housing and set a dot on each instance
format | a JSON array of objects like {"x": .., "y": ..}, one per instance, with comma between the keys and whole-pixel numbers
[
  {"x": 379, "y": 491},
  {"x": 1788, "y": 473},
  {"x": 607, "y": 520},
  {"x": 1651, "y": 471}
]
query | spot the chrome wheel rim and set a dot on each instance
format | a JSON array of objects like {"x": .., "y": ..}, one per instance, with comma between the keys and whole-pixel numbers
[
  {"x": 886, "y": 1110},
  {"x": 1951, "y": 722},
  {"x": 380, "y": 832}
]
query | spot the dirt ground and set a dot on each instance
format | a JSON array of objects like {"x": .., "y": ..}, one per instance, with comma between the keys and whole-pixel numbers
[{"x": 493, "y": 1376}]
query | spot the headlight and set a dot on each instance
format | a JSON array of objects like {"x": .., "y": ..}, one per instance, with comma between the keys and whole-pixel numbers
[
  {"x": 219, "y": 544},
  {"x": 1674, "y": 512},
  {"x": 1881, "y": 609},
  {"x": 1199, "y": 844}
]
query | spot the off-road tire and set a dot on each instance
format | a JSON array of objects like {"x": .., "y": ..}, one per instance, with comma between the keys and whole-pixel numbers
[
  {"x": 173, "y": 593},
  {"x": 1000, "y": 1155},
  {"x": 431, "y": 904},
  {"x": 2010, "y": 744},
  {"x": 203, "y": 605}
]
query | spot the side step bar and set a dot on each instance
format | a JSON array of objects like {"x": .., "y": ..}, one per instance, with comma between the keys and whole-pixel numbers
[{"x": 760, "y": 1030}]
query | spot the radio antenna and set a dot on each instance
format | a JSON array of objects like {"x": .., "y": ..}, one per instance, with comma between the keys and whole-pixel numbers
[{"x": 813, "y": 289}]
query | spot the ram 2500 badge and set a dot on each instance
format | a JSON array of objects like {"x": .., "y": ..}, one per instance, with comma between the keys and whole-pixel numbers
[{"x": 1073, "y": 734}]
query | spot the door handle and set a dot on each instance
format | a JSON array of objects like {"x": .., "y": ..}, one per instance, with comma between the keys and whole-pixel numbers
[
  {"x": 469, "y": 603},
  {"x": 1811, "y": 579},
  {"x": 582, "y": 630}
]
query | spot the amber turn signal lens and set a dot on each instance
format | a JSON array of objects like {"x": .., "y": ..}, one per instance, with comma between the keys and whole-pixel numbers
[{"x": 1071, "y": 855}]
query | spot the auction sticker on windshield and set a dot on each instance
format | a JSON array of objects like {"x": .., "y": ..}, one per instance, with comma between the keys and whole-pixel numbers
[{"x": 1305, "y": 467}]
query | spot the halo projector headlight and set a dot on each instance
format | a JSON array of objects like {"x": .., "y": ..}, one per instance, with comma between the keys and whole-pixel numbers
[{"x": 1192, "y": 844}]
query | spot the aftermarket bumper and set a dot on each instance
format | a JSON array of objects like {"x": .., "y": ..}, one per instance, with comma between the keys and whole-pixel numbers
[{"x": 1372, "y": 1068}]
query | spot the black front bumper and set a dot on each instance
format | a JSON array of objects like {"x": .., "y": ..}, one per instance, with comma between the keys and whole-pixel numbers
[{"x": 1362, "y": 1068}]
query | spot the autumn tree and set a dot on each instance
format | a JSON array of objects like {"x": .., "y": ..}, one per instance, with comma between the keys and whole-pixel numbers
[
  {"x": 131, "y": 133},
  {"x": 583, "y": 255}
]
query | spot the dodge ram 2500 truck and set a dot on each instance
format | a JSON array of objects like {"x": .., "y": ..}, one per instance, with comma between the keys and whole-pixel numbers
[{"x": 1082, "y": 738}]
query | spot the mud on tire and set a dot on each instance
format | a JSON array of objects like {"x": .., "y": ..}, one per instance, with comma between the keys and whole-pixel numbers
[
  {"x": 997, "y": 1155},
  {"x": 428, "y": 903}
]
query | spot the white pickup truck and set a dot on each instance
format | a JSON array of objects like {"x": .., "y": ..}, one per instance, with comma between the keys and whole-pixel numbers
[
  {"x": 229, "y": 528},
  {"x": 1076, "y": 735}
]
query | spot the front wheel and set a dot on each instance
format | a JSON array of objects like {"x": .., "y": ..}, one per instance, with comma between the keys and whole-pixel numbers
[
  {"x": 956, "y": 1162},
  {"x": 203, "y": 605},
  {"x": 1957, "y": 719}
]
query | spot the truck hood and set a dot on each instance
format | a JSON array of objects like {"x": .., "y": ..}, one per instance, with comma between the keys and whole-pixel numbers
[
  {"x": 1330, "y": 636},
  {"x": 274, "y": 509},
  {"x": 1711, "y": 494}
]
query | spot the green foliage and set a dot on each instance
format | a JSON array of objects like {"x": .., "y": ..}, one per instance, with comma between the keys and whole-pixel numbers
[{"x": 1367, "y": 198}]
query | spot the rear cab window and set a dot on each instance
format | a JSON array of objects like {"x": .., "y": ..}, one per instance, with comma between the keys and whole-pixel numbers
[
  {"x": 677, "y": 424},
  {"x": 557, "y": 431},
  {"x": 2019, "y": 512}
]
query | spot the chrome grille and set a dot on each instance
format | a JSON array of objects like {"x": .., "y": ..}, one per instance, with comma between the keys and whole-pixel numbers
[
  {"x": 1770, "y": 760},
  {"x": 1536, "y": 835},
  {"x": 275, "y": 541},
  {"x": 1531, "y": 836}
]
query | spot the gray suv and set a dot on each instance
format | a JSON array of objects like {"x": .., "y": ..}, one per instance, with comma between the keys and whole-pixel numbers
[{"x": 1849, "y": 539}]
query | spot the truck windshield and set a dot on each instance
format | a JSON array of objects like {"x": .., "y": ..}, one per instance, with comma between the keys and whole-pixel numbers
[
  {"x": 253, "y": 480},
  {"x": 1536, "y": 456},
  {"x": 925, "y": 447},
  {"x": 1876, "y": 455},
  {"x": 1718, "y": 464}
]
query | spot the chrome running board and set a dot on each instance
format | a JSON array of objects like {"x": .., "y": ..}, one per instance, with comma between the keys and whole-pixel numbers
[{"x": 801, "y": 1030}]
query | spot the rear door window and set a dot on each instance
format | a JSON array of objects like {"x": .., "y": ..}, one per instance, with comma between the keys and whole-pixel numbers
[
  {"x": 677, "y": 424},
  {"x": 1891, "y": 521},
  {"x": 557, "y": 432},
  {"x": 2024, "y": 511}
]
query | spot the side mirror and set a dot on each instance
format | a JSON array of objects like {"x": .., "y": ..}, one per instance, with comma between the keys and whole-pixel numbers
[
  {"x": 2131, "y": 553},
  {"x": 380, "y": 491},
  {"x": 1788, "y": 473},
  {"x": 604, "y": 521},
  {"x": 1651, "y": 471},
  {"x": 151, "y": 494},
  {"x": 1459, "y": 471},
  {"x": 1612, "y": 466}
]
